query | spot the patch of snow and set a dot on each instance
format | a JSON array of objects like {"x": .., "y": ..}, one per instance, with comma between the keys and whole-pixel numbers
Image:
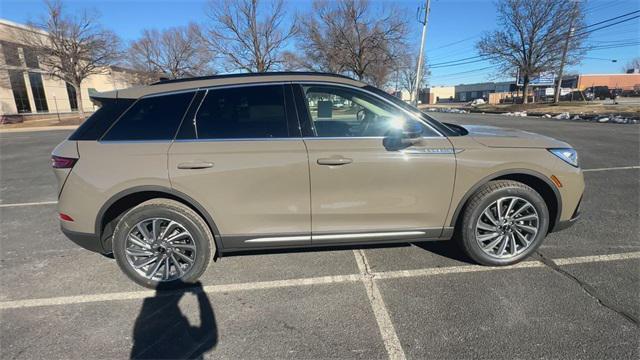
[{"x": 563, "y": 116}]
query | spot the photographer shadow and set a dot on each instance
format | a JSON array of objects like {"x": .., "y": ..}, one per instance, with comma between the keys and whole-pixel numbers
[{"x": 162, "y": 331}]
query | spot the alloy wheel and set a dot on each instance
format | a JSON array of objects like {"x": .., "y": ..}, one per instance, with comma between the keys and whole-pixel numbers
[
  {"x": 160, "y": 249},
  {"x": 507, "y": 227}
]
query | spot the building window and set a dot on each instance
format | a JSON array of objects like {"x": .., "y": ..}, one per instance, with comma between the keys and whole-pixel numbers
[
  {"x": 30, "y": 58},
  {"x": 10, "y": 52},
  {"x": 37, "y": 88},
  {"x": 19, "y": 88},
  {"x": 73, "y": 99}
]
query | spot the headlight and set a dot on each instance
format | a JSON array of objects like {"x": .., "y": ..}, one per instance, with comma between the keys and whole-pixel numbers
[{"x": 569, "y": 155}]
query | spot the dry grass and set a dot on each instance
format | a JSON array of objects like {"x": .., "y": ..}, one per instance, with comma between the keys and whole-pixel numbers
[{"x": 64, "y": 121}]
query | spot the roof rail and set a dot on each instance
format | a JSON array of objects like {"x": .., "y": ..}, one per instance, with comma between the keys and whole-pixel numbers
[{"x": 225, "y": 76}]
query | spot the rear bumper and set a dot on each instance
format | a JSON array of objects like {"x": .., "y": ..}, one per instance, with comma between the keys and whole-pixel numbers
[{"x": 86, "y": 240}]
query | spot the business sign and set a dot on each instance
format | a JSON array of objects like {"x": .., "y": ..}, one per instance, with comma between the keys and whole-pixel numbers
[{"x": 542, "y": 79}]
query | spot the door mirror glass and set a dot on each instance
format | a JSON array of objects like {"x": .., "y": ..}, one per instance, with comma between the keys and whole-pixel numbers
[
  {"x": 403, "y": 133},
  {"x": 411, "y": 130}
]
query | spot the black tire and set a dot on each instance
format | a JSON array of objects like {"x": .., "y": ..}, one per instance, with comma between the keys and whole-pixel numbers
[
  {"x": 171, "y": 210},
  {"x": 483, "y": 197}
]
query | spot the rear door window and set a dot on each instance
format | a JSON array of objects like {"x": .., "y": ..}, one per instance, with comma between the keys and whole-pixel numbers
[
  {"x": 152, "y": 118},
  {"x": 248, "y": 112}
]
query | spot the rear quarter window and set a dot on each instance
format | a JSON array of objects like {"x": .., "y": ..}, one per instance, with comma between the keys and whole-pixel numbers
[
  {"x": 152, "y": 118},
  {"x": 95, "y": 126}
]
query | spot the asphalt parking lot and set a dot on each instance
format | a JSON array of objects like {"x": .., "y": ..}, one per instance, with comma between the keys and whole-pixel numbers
[{"x": 578, "y": 298}]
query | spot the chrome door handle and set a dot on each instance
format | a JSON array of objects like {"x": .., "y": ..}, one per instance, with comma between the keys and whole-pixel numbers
[
  {"x": 334, "y": 161},
  {"x": 194, "y": 165}
]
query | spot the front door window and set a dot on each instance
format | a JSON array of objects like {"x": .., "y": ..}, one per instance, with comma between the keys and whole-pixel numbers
[{"x": 343, "y": 112}]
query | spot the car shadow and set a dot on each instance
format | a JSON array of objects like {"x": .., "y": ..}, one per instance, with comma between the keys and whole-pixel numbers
[
  {"x": 445, "y": 248},
  {"x": 162, "y": 331}
]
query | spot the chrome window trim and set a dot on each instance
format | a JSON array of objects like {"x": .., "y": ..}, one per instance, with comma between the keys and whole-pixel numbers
[
  {"x": 300, "y": 138},
  {"x": 240, "y": 139},
  {"x": 213, "y": 87},
  {"x": 297, "y": 139},
  {"x": 168, "y": 141},
  {"x": 358, "y": 138},
  {"x": 412, "y": 115}
]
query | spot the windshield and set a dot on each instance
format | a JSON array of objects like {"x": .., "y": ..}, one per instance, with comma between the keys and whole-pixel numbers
[{"x": 446, "y": 130}]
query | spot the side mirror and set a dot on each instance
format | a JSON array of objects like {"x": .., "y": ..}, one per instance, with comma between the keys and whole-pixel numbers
[
  {"x": 411, "y": 132},
  {"x": 400, "y": 137}
]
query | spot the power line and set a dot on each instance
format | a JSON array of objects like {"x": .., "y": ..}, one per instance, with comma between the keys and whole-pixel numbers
[
  {"x": 454, "y": 43},
  {"x": 462, "y": 63},
  {"x": 453, "y": 61},
  {"x": 482, "y": 58},
  {"x": 606, "y": 26},
  {"x": 613, "y": 18},
  {"x": 464, "y": 72},
  {"x": 609, "y": 4}
]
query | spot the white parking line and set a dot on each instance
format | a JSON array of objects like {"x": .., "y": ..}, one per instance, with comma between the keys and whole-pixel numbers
[
  {"x": 132, "y": 295},
  {"x": 452, "y": 270},
  {"x": 597, "y": 258},
  {"x": 29, "y": 204},
  {"x": 387, "y": 331},
  {"x": 612, "y": 168}
]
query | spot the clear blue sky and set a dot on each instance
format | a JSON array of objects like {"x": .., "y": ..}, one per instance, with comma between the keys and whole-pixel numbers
[{"x": 454, "y": 27}]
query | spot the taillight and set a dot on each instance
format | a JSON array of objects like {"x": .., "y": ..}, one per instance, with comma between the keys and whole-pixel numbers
[{"x": 59, "y": 162}]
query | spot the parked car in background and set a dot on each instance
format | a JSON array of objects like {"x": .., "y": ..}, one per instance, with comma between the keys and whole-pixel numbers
[
  {"x": 165, "y": 176},
  {"x": 598, "y": 93}
]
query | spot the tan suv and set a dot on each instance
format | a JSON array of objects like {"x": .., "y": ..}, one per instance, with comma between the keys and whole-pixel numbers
[{"x": 169, "y": 175}]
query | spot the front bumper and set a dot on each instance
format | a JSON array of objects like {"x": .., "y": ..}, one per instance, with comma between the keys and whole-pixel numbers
[{"x": 563, "y": 224}]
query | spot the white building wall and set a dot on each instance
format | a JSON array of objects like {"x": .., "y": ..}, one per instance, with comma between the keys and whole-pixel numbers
[{"x": 55, "y": 89}]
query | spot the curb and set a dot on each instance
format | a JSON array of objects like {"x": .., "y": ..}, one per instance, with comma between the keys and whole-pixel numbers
[{"x": 41, "y": 128}]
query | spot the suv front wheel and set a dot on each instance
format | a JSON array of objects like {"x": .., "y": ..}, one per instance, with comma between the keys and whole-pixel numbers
[
  {"x": 504, "y": 222},
  {"x": 162, "y": 241}
]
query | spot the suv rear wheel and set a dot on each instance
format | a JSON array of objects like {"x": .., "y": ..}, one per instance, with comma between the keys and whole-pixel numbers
[
  {"x": 504, "y": 222},
  {"x": 162, "y": 241}
]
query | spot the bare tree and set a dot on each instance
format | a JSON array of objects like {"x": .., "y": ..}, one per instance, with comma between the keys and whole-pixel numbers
[
  {"x": 349, "y": 36},
  {"x": 72, "y": 48},
  {"x": 632, "y": 64},
  {"x": 248, "y": 35},
  {"x": 408, "y": 72},
  {"x": 532, "y": 37},
  {"x": 174, "y": 53}
]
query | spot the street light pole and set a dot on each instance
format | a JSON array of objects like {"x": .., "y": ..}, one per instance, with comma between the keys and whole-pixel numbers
[{"x": 421, "y": 54}]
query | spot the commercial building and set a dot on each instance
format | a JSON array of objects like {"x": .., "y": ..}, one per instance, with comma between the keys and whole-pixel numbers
[
  {"x": 28, "y": 91},
  {"x": 436, "y": 94},
  {"x": 469, "y": 92},
  {"x": 629, "y": 81}
]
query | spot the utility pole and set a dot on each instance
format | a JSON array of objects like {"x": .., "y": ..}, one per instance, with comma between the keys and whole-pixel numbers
[
  {"x": 565, "y": 49},
  {"x": 421, "y": 54}
]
